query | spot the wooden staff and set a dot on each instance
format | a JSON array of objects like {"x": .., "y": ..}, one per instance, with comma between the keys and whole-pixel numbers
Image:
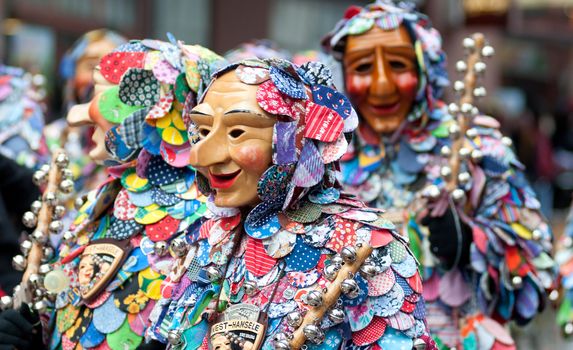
[
  {"x": 45, "y": 216},
  {"x": 330, "y": 296}
]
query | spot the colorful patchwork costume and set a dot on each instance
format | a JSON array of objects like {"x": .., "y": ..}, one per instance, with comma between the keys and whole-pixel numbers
[
  {"x": 262, "y": 269},
  {"x": 119, "y": 249},
  {"x": 510, "y": 264}
]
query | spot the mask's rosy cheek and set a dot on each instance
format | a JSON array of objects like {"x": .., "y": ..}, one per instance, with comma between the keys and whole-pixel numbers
[
  {"x": 407, "y": 83},
  {"x": 357, "y": 87},
  {"x": 254, "y": 156}
]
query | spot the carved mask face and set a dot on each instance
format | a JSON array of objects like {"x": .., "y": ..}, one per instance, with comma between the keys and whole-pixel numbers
[
  {"x": 381, "y": 76},
  {"x": 89, "y": 114},
  {"x": 235, "y": 145}
]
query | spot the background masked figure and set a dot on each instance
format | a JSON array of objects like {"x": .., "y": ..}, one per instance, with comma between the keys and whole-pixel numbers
[
  {"x": 266, "y": 139},
  {"x": 76, "y": 68},
  {"x": 126, "y": 226},
  {"x": 493, "y": 253}
]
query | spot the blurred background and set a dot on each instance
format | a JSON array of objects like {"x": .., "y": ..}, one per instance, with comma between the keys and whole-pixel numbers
[{"x": 529, "y": 81}]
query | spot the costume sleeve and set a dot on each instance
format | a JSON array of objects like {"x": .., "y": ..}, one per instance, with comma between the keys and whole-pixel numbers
[
  {"x": 512, "y": 242},
  {"x": 16, "y": 186}
]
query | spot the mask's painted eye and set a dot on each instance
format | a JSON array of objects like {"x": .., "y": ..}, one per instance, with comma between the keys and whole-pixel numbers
[
  {"x": 204, "y": 132},
  {"x": 236, "y": 133},
  {"x": 363, "y": 68},
  {"x": 398, "y": 65}
]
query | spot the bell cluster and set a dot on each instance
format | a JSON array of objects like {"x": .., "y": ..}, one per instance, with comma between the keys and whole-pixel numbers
[
  {"x": 48, "y": 206},
  {"x": 313, "y": 332},
  {"x": 466, "y": 111}
]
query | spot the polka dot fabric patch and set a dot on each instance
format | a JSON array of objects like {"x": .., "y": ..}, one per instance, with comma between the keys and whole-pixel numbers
[
  {"x": 160, "y": 173},
  {"x": 287, "y": 84},
  {"x": 162, "y": 230},
  {"x": 138, "y": 87},
  {"x": 303, "y": 257},
  {"x": 115, "y": 64}
]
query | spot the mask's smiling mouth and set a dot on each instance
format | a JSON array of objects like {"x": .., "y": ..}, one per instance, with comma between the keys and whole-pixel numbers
[{"x": 223, "y": 181}]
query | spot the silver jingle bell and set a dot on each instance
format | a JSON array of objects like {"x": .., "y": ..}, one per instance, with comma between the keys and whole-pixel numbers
[
  {"x": 50, "y": 198},
  {"x": 294, "y": 319},
  {"x": 314, "y": 298},
  {"x": 348, "y": 254},
  {"x": 36, "y": 280},
  {"x": 41, "y": 306},
  {"x": 25, "y": 247},
  {"x": 39, "y": 178},
  {"x": 56, "y": 226},
  {"x": 464, "y": 178},
  {"x": 554, "y": 295},
  {"x": 19, "y": 263},
  {"x": 331, "y": 271},
  {"x": 536, "y": 234},
  {"x": 314, "y": 334},
  {"x": 6, "y": 302},
  {"x": 477, "y": 155},
  {"x": 62, "y": 160},
  {"x": 350, "y": 288},
  {"x": 174, "y": 337},
  {"x": 517, "y": 281},
  {"x": 179, "y": 247},
  {"x": 336, "y": 315},
  {"x": 214, "y": 274},
  {"x": 68, "y": 237},
  {"x": 368, "y": 270},
  {"x": 36, "y": 206},
  {"x": 67, "y": 186},
  {"x": 39, "y": 293},
  {"x": 59, "y": 211},
  {"x": 160, "y": 248},
  {"x": 45, "y": 168},
  {"x": 282, "y": 345},
  {"x": 336, "y": 260},
  {"x": 458, "y": 195},
  {"x": 48, "y": 253},
  {"x": 432, "y": 191},
  {"x": 79, "y": 202},
  {"x": 44, "y": 269},
  {"x": 488, "y": 51},
  {"x": 29, "y": 219},
  {"x": 250, "y": 288},
  {"x": 280, "y": 337},
  {"x": 39, "y": 237}
]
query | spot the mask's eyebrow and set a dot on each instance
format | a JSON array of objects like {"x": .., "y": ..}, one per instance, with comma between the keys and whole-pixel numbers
[
  {"x": 200, "y": 113},
  {"x": 244, "y": 111}
]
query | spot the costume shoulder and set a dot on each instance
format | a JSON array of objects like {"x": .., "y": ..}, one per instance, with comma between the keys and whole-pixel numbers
[{"x": 512, "y": 240}]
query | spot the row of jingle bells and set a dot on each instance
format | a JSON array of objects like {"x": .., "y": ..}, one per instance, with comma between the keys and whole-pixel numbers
[{"x": 52, "y": 203}]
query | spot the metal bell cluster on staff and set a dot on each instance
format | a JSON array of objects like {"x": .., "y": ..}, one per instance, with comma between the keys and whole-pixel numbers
[
  {"x": 44, "y": 218},
  {"x": 455, "y": 173}
]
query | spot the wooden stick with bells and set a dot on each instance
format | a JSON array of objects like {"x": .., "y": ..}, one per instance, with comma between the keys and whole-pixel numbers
[
  {"x": 461, "y": 132},
  {"x": 45, "y": 215},
  {"x": 340, "y": 272}
]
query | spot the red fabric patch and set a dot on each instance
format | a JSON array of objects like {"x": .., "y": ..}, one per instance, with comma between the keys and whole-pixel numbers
[
  {"x": 272, "y": 101},
  {"x": 374, "y": 331},
  {"x": 344, "y": 235},
  {"x": 480, "y": 239},
  {"x": 322, "y": 123},
  {"x": 123, "y": 209},
  {"x": 205, "y": 228},
  {"x": 114, "y": 64},
  {"x": 408, "y": 307},
  {"x": 380, "y": 238},
  {"x": 352, "y": 11},
  {"x": 257, "y": 261},
  {"x": 163, "y": 229},
  {"x": 415, "y": 282}
]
